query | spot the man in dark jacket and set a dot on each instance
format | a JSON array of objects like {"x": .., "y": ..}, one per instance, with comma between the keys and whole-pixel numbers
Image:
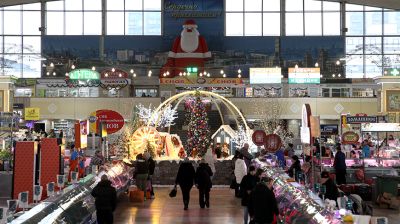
[
  {"x": 141, "y": 173},
  {"x": 340, "y": 165},
  {"x": 105, "y": 200},
  {"x": 246, "y": 154},
  {"x": 185, "y": 179},
  {"x": 203, "y": 183},
  {"x": 331, "y": 190},
  {"x": 262, "y": 202},
  {"x": 248, "y": 183},
  {"x": 152, "y": 166}
]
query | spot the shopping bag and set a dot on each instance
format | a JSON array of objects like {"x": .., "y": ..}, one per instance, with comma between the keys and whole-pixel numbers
[{"x": 173, "y": 192}]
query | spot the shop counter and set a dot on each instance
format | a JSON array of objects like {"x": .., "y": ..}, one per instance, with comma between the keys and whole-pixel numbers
[{"x": 75, "y": 203}]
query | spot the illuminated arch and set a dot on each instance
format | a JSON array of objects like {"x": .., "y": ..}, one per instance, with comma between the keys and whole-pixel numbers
[{"x": 231, "y": 107}]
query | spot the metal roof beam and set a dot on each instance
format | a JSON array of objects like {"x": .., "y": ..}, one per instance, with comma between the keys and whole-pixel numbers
[{"x": 387, "y": 4}]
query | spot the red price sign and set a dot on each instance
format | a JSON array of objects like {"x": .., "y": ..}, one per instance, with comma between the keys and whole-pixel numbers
[
  {"x": 113, "y": 120},
  {"x": 258, "y": 137},
  {"x": 273, "y": 142}
]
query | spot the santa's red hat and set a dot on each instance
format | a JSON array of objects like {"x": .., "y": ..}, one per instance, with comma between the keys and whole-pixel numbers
[{"x": 190, "y": 23}]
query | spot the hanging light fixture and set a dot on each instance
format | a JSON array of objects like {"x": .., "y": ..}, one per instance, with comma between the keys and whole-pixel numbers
[
  {"x": 93, "y": 68},
  {"x": 131, "y": 71},
  {"x": 113, "y": 69},
  {"x": 316, "y": 64},
  {"x": 150, "y": 72},
  {"x": 73, "y": 66},
  {"x": 52, "y": 64}
]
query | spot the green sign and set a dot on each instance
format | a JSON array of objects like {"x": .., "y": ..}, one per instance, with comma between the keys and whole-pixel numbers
[
  {"x": 304, "y": 80},
  {"x": 191, "y": 69},
  {"x": 84, "y": 74},
  {"x": 392, "y": 72}
]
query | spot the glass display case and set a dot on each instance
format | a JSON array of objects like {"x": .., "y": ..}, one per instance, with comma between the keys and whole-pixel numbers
[
  {"x": 297, "y": 204},
  {"x": 75, "y": 203}
]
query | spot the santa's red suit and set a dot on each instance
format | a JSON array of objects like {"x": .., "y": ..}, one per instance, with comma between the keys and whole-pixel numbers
[{"x": 189, "y": 50}]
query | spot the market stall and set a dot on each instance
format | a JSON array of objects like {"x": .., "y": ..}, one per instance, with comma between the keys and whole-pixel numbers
[{"x": 74, "y": 204}]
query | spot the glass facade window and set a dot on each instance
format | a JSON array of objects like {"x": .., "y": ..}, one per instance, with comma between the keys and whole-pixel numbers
[
  {"x": 253, "y": 24},
  {"x": 391, "y": 23},
  {"x": 371, "y": 40},
  {"x": 115, "y": 23},
  {"x": 294, "y": 24},
  {"x": 133, "y": 17},
  {"x": 234, "y": 24},
  {"x": 73, "y": 23},
  {"x": 271, "y": 6},
  {"x": 313, "y": 24},
  {"x": 20, "y": 41}
]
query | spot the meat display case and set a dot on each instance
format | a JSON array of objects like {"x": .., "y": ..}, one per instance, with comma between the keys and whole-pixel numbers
[{"x": 75, "y": 204}]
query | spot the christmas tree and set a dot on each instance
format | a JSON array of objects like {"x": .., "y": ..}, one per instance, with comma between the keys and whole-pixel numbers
[{"x": 199, "y": 132}]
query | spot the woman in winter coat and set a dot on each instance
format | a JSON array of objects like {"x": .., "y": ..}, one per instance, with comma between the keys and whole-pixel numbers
[
  {"x": 240, "y": 169},
  {"x": 203, "y": 183},
  {"x": 185, "y": 179}
]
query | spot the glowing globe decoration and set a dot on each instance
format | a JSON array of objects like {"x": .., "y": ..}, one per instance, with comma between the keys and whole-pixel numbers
[{"x": 143, "y": 138}]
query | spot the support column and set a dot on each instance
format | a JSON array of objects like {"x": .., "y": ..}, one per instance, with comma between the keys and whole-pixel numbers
[{"x": 103, "y": 29}]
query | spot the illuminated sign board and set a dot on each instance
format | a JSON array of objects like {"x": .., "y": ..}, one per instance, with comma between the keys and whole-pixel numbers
[
  {"x": 392, "y": 72},
  {"x": 265, "y": 75},
  {"x": 304, "y": 76},
  {"x": 84, "y": 74}
]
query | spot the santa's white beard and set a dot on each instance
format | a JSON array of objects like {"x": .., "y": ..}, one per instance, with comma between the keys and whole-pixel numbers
[{"x": 189, "y": 40}]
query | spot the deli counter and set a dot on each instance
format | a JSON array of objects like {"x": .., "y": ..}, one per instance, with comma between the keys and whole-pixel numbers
[{"x": 75, "y": 204}]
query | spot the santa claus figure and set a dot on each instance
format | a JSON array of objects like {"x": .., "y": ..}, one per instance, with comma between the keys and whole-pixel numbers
[{"x": 189, "y": 50}]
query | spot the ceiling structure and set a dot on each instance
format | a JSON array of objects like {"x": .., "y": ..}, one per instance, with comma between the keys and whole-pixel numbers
[{"x": 389, "y": 4}]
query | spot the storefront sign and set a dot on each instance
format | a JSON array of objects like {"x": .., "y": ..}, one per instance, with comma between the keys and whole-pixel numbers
[
  {"x": 273, "y": 142},
  {"x": 32, "y": 114},
  {"x": 18, "y": 106},
  {"x": 304, "y": 76},
  {"x": 201, "y": 81},
  {"x": 361, "y": 119},
  {"x": 265, "y": 75},
  {"x": 83, "y": 74},
  {"x": 50, "y": 81},
  {"x": 392, "y": 72},
  {"x": 380, "y": 127},
  {"x": 115, "y": 81},
  {"x": 350, "y": 137},
  {"x": 329, "y": 129},
  {"x": 112, "y": 120},
  {"x": 114, "y": 74},
  {"x": 259, "y": 137}
]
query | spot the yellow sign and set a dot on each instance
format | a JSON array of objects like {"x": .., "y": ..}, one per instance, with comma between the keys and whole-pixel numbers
[{"x": 32, "y": 114}]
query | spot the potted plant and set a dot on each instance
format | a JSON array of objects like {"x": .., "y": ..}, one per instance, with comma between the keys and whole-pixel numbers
[{"x": 5, "y": 157}]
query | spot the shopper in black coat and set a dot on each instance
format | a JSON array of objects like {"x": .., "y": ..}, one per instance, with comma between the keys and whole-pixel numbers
[
  {"x": 152, "y": 166},
  {"x": 248, "y": 183},
  {"x": 295, "y": 168},
  {"x": 203, "y": 183},
  {"x": 331, "y": 192},
  {"x": 105, "y": 200},
  {"x": 185, "y": 179},
  {"x": 340, "y": 165},
  {"x": 262, "y": 202}
]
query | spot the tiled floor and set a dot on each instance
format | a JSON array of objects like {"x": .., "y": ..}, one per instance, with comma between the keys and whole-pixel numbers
[{"x": 224, "y": 209}]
